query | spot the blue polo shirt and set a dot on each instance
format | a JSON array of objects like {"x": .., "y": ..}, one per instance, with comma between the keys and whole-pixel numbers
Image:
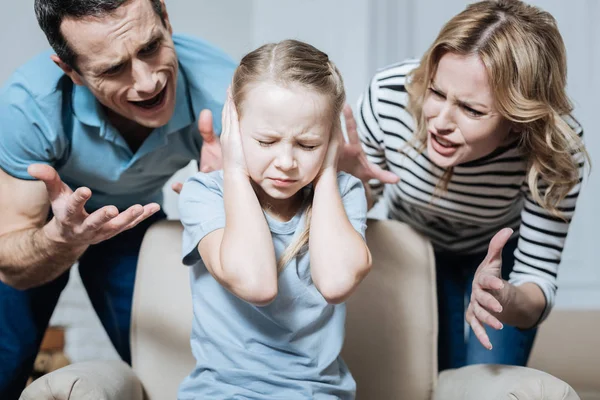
[{"x": 45, "y": 118}]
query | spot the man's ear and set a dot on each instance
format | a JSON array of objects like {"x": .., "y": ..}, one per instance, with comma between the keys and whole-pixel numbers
[
  {"x": 165, "y": 16},
  {"x": 74, "y": 75}
]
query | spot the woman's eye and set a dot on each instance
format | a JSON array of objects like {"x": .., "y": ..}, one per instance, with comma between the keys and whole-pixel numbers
[
  {"x": 307, "y": 147},
  {"x": 264, "y": 144},
  {"x": 472, "y": 112},
  {"x": 436, "y": 93}
]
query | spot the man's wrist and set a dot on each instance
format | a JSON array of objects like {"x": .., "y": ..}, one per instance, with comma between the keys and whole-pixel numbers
[{"x": 51, "y": 235}]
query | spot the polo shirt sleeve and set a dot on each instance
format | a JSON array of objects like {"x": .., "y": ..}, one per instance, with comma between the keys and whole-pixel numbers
[
  {"x": 27, "y": 136},
  {"x": 354, "y": 200},
  {"x": 201, "y": 210}
]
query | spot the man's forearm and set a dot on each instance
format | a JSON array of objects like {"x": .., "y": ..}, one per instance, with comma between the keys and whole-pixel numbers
[{"x": 29, "y": 259}]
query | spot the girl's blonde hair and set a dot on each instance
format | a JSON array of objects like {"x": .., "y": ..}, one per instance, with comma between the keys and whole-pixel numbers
[
  {"x": 525, "y": 58},
  {"x": 291, "y": 62}
]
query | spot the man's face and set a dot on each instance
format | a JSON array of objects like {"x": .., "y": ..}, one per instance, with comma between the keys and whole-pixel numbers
[{"x": 127, "y": 59}]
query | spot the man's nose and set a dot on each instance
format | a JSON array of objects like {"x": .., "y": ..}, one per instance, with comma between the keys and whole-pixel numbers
[{"x": 145, "y": 81}]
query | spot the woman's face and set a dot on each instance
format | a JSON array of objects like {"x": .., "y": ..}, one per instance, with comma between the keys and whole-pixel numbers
[
  {"x": 463, "y": 123},
  {"x": 285, "y": 135}
]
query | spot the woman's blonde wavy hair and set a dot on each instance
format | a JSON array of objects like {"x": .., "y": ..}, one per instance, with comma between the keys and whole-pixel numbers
[
  {"x": 525, "y": 58},
  {"x": 291, "y": 62}
]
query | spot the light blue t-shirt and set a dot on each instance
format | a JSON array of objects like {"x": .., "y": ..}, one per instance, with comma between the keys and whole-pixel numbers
[
  {"x": 45, "y": 118},
  {"x": 289, "y": 349}
]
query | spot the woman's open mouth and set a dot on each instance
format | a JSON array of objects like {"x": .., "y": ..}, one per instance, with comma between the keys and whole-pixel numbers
[{"x": 442, "y": 146}]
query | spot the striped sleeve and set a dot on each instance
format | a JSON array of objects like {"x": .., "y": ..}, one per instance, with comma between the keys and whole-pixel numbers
[
  {"x": 541, "y": 240},
  {"x": 371, "y": 135}
]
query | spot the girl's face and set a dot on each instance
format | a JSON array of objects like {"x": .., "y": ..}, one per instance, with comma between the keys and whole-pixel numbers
[
  {"x": 285, "y": 134},
  {"x": 459, "y": 109}
]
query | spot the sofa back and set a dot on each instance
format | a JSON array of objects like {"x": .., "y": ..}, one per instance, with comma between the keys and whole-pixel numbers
[
  {"x": 391, "y": 324},
  {"x": 568, "y": 347},
  {"x": 161, "y": 319}
]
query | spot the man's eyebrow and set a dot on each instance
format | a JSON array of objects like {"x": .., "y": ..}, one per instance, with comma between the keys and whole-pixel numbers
[
  {"x": 154, "y": 36},
  {"x": 101, "y": 68}
]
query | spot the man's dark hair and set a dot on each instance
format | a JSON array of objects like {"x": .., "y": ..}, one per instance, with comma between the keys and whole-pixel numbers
[{"x": 50, "y": 15}]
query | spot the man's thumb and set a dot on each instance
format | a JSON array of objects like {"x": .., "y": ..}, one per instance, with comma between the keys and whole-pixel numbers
[{"x": 205, "y": 126}]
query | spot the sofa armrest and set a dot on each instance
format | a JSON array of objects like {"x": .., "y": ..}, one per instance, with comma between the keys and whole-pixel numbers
[
  {"x": 94, "y": 380},
  {"x": 500, "y": 382}
]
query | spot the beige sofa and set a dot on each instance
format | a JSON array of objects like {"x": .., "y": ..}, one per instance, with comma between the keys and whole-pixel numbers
[{"x": 390, "y": 344}]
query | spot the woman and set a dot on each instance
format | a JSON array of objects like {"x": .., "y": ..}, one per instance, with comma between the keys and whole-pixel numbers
[{"x": 479, "y": 150}]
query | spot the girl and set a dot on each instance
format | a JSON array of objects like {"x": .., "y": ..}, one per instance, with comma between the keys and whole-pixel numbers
[
  {"x": 276, "y": 239},
  {"x": 475, "y": 137}
]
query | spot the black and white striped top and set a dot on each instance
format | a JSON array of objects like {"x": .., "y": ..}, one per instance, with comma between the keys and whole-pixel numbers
[{"x": 483, "y": 196}]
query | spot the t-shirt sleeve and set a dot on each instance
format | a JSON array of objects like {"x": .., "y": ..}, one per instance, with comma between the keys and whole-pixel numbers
[
  {"x": 352, "y": 192},
  {"x": 201, "y": 210},
  {"x": 28, "y": 136}
]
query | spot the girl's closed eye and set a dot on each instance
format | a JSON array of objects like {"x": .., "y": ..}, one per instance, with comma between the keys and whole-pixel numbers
[
  {"x": 308, "y": 146},
  {"x": 265, "y": 143}
]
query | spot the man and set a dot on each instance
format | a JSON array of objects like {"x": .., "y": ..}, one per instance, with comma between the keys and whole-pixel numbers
[{"x": 89, "y": 137}]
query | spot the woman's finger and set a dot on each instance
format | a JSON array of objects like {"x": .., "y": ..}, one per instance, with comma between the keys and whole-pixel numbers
[
  {"x": 486, "y": 300},
  {"x": 485, "y": 317},
  {"x": 479, "y": 330},
  {"x": 490, "y": 282}
]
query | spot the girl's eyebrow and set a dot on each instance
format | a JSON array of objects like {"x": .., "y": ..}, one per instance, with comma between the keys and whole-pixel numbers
[
  {"x": 308, "y": 135},
  {"x": 267, "y": 133}
]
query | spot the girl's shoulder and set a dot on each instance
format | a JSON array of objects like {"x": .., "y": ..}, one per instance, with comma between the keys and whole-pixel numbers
[
  {"x": 210, "y": 179},
  {"x": 348, "y": 183},
  {"x": 202, "y": 182}
]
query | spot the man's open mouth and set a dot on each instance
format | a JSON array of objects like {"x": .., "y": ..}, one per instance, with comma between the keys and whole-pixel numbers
[{"x": 152, "y": 102}]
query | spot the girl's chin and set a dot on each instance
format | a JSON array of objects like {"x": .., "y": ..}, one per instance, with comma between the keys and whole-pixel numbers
[{"x": 277, "y": 193}]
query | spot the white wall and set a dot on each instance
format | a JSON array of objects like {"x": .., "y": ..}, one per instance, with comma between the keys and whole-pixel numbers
[{"x": 360, "y": 36}]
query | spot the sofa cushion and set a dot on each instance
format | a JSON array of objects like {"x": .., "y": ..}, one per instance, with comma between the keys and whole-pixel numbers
[
  {"x": 501, "y": 382},
  {"x": 95, "y": 380}
]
